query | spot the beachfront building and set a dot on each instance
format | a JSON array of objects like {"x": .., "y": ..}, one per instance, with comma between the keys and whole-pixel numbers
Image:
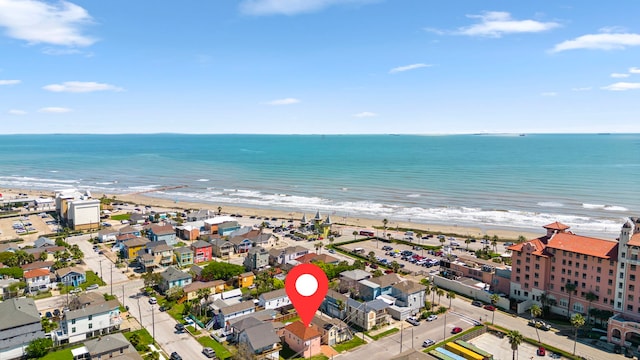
[
  {"x": 19, "y": 325},
  {"x": 221, "y": 225},
  {"x": 322, "y": 228},
  {"x": 78, "y": 210}
]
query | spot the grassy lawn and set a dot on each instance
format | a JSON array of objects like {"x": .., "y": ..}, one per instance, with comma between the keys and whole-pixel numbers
[
  {"x": 221, "y": 351},
  {"x": 293, "y": 319},
  {"x": 121, "y": 217},
  {"x": 145, "y": 337},
  {"x": 176, "y": 312},
  {"x": 60, "y": 354},
  {"x": 348, "y": 345},
  {"x": 192, "y": 330},
  {"x": 92, "y": 278},
  {"x": 383, "y": 334},
  {"x": 42, "y": 295}
]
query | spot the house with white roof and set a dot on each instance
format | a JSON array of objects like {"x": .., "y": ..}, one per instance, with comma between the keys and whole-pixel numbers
[{"x": 274, "y": 299}]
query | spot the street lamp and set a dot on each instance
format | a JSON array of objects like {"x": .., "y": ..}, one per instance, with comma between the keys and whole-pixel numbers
[{"x": 153, "y": 325}]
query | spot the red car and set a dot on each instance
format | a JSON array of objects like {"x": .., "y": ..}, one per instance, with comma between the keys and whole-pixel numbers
[
  {"x": 541, "y": 351},
  {"x": 490, "y": 307},
  {"x": 456, "y": 330}
]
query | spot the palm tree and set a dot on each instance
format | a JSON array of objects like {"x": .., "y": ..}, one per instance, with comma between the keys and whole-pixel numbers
[
  {"x": 318, "y": 245},
  {"x": 371, "y": 257},
  {"x": 434, "y": 289},
  {"x": 590, "y": 296},
  {"x": 355, "y": 233},
  {"x": 521, "y": 239},
  {"x": 577, "y": 321},
  {"x": 440, "y": 293},
  {"x": 331, "y": 239},
  {"x": 468, "y": 241},
  {"x": 451, "y": 295},
  {"x": 442, "y": 240},
  {"x": 395, "y": 266},
  {"x": 515, "y": 339},
  {"x": 569, "y": 288},
  {"x": 494, "y": 243},
  {"x": 494, "y": 300},
  {"x": 536, "y": 311},
  {"x": 219, "y": 210},
  {"x": 384, "y": 224}
]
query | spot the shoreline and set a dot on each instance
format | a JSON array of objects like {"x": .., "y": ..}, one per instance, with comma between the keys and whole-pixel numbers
[{"x": 477, "y": 232}]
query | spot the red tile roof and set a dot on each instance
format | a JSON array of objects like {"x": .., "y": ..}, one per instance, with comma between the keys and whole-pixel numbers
[
  {"x": 36, "y": 273},
  {"x": 635, "y": 240},
  {"x": 304, "y": 333},
  {"x": 584, "y": 245},
  {"x": 556, "y": 226}
]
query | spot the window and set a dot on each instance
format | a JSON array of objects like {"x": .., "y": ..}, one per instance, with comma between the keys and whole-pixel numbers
[
  {"x": 584, "y": 276},
  {"x": 570, "y": 263},
  {"x": 553, "y": 277},
  {"x": 90, "y": 326},
  {"x": 597, "y": 288},
  {"x": 584, "y": 257},
  {"x": 610, "y": 282},
  {"x": 551, "y": 286},
  {"x": 570, "y": 255},
  {"x": 536, "y": 275},
  {"x": 553, "y": 269},
  {"x": 564, "y": 271},
  {"x": 577, "y": 265},
  {"x": 632, "y": 288},
  {"x": 527, "y": 268},
  {"x": 630, "y": 297},
  {"x": 537, "y": 266},
  {"x": 583, "y": 285},
  {"x": 623, "y": 254},
  {"x": 608, "y": 291},
  {"x": 569, "y": 272},
  {"x": 598, "y": 269},
  {"x": 517, "y": 278},
  {"x": 90, "y": 317},
  {"x": 633, "y": 267},
  {"x": 632, "y": 277},
  {"x": 73, "y": 321},
  {"x": 535, "y": 283},
  {"x": 73, "y": 330},
  {"x": 518, "y": 262},
  {"x": 564, "y": 262},
  {"x": 528, "y": 260},
  {"x": 518, "y": 270},
  {"x": 526, "y": 277},
  {"x": 629, "y": 308},
  {"x": 597, "y": 279},
  {"x": 621, "y": 275},
  {"x": 610, "y": 272},
  {"x": 619, "y": 285},
  {"x": 584, "y": 266}
]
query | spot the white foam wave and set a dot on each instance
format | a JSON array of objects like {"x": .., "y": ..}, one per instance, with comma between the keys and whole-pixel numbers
[
  {"x": 615, "y": 208},
  {"x": 203, "y": 180},
  {"x": 414, "y": 195},
  {"x": 604, "y": 207},
  {"x": 39, "y": 180},
  {"x": 593, "y": 206},
  {"x": 143, "y": 187},
  {"x": 550, "y": 204},
  {"x": 53, "y": 171}
]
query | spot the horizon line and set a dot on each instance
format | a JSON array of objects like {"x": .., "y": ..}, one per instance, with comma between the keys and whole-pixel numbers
[{"x": 342, "y": 134}]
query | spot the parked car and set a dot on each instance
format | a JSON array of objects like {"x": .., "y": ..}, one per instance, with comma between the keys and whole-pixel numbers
[
  {"x": 541, "y": 351},
  {"x": 175, "y": 356},
  {"x": 387, "y": 248},
  {"x": 477, "y": 303},
  {"x": 93, "y": 287},
  {"x": 75, "y": 290},
  {"x": 490, "y": 307},
  {"x": 153, "y": 300},
  {"x": 456, "y": 330},
  {"x": 413, "y": 321},
  {"x": 179, "y": 327},
  {"x": 432, "y": 317},
  {"x": 428, "y": 343},
  {"x": 209, "y": 352},
  {"x": 48, "y": 314},
  {"x": 331, "y": 251},
  {"x": 540, "y": 324}
]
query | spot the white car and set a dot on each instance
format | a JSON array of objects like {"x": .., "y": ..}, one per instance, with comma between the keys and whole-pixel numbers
[
  {"x": 432, "y": 317},
  {"x": 153, "y": 300},
  {"x": 93, "y": 286},
  {"x": 413, "y": 321}
]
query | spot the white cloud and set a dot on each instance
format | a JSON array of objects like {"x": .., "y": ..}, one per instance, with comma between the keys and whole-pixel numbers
[
  {"x": 17, "y": 112},
  {"x": 622, "y": 86},
  {"x": 56, "y": 51},
  {"x": 291, "y": 7},
  {"x": 55, "y": 110},
  {"x": 549, "y": 93},
  {"x": 587, "y": 88},
  {"x": 286, "y": 101},
  {"x": 365, "y": 114},
  {"x": 408, "y": 67},
  {"x": 634, "y": 70},
  {"x": 498, "y": 23},
  {"x": 56, "y": 23},
  {"x": 619, "y": 75},
  {"x": 10, "y": 82},
  {"x": 603, "y": 41},
  {"x": 81, "y": 87}
]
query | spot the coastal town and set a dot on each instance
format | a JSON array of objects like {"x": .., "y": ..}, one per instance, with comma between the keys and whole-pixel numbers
[{"x": 88, "y": 277}]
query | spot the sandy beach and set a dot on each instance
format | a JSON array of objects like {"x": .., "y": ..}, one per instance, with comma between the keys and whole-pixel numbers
[{"x": 363, "y": 222}]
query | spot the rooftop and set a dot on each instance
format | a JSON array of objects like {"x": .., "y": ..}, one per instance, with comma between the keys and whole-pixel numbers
[
  {"x": 262, "y": 335},
  {"x": 200, "y": 244},
  {"x": 387, "y": 280},
  {"x": 92, "y": 310},
  {"x": 162, "y": 229},
  {"x": 356, "y": 274},
  {"x": 173, "y": 274},
  {"x": 197, "y": 285},
  {"x": 275, "y": 294},
  {"x": 409, "y": 287},
  {"x": 302, "y": 332},
  {"x": 36, "y": 273},
  {"x": 18, "y": 312}
]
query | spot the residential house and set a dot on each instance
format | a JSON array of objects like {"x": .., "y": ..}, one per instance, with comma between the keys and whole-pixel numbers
[
  {"x": 409, "y": 294},
  {"x": 283, "y": 256},
  {"x": 313, "y": 257},
  {"x": 161, "y": 251},
  {"x": 334, "y": 331},
  {"x": 222, "y": 248},
  {"x": 173, "y": 277},
  {"x": 184, "y": 256},
  {"x": 241, "y": 244},
  {"x": 257, "y": 258},
  {"x": 334, "y": 304},
  {"x": 349, "y": 280},
  {"x": 188, "y": 232},
  {"x": 196, "y": 272},
  {"x": 108, "y": 235},
  {"x": 38, "y": 265},
  {"x": 130, "y": 230},
  {"x": 223, "y": 312},
  {"x": 131, "y": 247},
  {"x": 89, "y": 321},
  {"x": 5, "y": 292},
  {"x": 120, "y": 239},
  {"x": 266, "y": 240},
  {"x": 85, "y": 299},
  {"x": 221, "y": 225},
  {"x": 71, "y": 276},
  {"x": 19, "y": 325},
  {"x": 112, "y": 346},
  {"x": 11, "y": 247},
  {"x": 368, "y": 314},
  {"x": 213, "y": 287},
  {"x": 201, "y": 215},
  {"x": 137, "y": 218},
  {"x": 370, "y": 289},
  {"x": 163, "y": 233},
  {"x": 49, "y": 250},
  {"x": 38, "y": 280},
  {"x": 261, "y": 340},
  {"x": 43, "y": 241},
  {"x": 246, "y": 279},
  {"x": 202, "y": 251},
  {"x": 274, "y": 299},
  {"x": 302, "y": 339}
]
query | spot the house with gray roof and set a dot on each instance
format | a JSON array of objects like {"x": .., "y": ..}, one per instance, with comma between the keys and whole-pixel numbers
[
  {"x": 261, "y": 340},
  {"x": 173, "y": 277},
  {"x": 162, "y": 232},
  {"x": 283, "y": 256},
  {"x": 19, "y": 325},
  {"x": 71, "y": 276},
  {"x": 43, "y": 241},
  {"x": 368, "y": 314},
  {"x": 372, "y": 288},
  {"x": 274, "y": 299},
  {"x": 334, "y": 331},
  {"x": 409, "y": 294},
  {"x": 221, "y": 248},
  {"x": 112, "y": 346},
  {"x": 184, "y": 256},
  {"x": 223, "y": 312},
  {"x": 349, "y": 280},
  {"x": 89, "y": 321},
  {"x": 257, "y": 258},
  {"x": 334, "y": 304}
]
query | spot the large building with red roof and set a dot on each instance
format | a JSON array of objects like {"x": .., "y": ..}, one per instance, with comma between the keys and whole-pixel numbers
[{"x": 602, "y": 273}]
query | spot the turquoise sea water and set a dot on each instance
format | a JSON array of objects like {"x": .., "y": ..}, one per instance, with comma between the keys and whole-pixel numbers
[{"x": 590, "y": 182}]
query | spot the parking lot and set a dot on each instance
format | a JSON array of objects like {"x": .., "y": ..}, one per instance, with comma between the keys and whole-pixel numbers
[
  {"x": 28, "y": 227},
  {"x": 501, "y": 349}
]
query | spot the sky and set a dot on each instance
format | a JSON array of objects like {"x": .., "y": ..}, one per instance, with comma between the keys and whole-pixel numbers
[{"x": 319, "y": 66}]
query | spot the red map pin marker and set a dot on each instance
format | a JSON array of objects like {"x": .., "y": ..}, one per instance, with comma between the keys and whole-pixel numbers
[{"x": 306, "y": 286}]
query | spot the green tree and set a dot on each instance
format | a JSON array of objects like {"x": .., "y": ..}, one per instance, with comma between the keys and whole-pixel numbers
[
  {"x": 494, "y": 243},
  {"x": 38, "y": 348},
  {"x": 377, "y": 273},
  {"x": 451, "y": 295},
  {"x": 536, "y": 311},
  {"x": 442, "y": 240},
  {"x": 219, "y": 210},
  {"x": 577, "y": 321},
  {"x": 43, "y": 256},
  {"x": 395, "y": 266},
  {"x": 521, "y": 239},
  {"x": 14, "y": 272},
  {"x": 135, "y": 340},
  {"x": 48, "y": 325},
  {"x": 318, "y": 245},
  {"x": 355, "y": 233},
  {"x": 590, "y": 297},
  {"x": 569, "y": 288},
  {"x": 468, "y": 241},
  {"x": 434, "y": 289},
  {"x": 175, "y": 293},
  {"x": 440, "y": 293},
  {"x": 494, "y": 300},
  {"x": 221, "y": 271},
  {"x": 385, "y": 222},
  {"x": 151, "y": 279},
  {"x": 515, "y": 339},
  {"x": 371, "y": 257},
  {"x": 9, "y": 258}
]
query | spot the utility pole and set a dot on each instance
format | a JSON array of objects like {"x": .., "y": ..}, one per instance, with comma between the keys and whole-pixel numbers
[
  {"x": 412, "y": 337},
  {"x": 111, "y": 279},
  {"x": 101, "y": 270},
  {"x": 153, "y": 325},
  {"x": 444, "y": 328},
  {"x": 140, "y": 313},
  {"x": 123, "y": 296},
  {"x": 401, "y": 331}
]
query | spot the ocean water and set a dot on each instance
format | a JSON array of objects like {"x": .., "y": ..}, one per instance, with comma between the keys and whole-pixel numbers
[{"x": 590, "y": 182}]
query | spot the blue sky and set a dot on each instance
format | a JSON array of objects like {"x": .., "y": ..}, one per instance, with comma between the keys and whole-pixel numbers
[{"x": 319, "y": 66}]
